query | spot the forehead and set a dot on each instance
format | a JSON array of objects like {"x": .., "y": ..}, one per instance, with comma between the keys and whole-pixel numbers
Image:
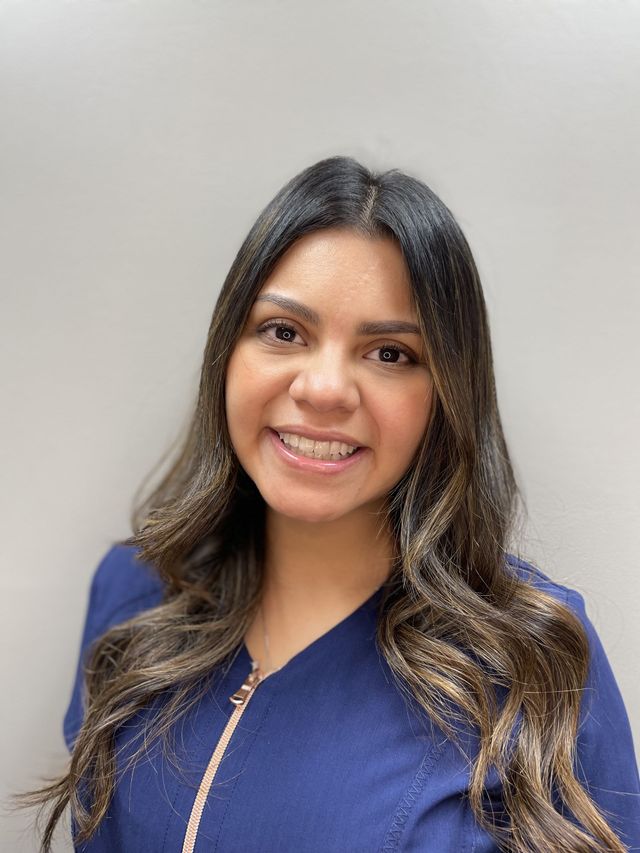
[{"x": 343, "y": 265}]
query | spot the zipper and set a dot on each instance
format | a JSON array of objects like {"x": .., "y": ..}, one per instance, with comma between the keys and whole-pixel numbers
[{"x": 240, "y": 699}]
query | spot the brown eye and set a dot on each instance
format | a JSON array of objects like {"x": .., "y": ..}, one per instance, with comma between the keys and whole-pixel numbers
[
  {"x": 287, "y": 335},
  {"x": 392, "y": 354}
]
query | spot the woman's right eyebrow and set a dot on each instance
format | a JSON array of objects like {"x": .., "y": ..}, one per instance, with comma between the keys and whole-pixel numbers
[{"x": 373, "y": 327}]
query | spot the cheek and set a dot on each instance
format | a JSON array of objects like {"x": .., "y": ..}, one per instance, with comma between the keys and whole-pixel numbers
[
  {"x": 237, "y": 394},
  {"x": 248, "y": 389},
  {"x": 403, "y": 421}
]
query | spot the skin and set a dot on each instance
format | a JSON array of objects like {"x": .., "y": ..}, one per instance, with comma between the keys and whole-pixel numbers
[{"x": 327, "y": 549}]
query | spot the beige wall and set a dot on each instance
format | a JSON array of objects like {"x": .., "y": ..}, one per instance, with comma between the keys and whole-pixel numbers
[{"x": 140, "y": 139}]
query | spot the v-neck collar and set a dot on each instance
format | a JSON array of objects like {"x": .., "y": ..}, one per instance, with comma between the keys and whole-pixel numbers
[{"x": 364, "y": 614}]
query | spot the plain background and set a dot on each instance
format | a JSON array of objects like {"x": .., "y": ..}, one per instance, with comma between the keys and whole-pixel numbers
[{"x": 139, "y": 140}]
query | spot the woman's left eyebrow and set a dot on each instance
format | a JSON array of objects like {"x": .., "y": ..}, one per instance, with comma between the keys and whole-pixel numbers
[{"x": 376, "y": 327}]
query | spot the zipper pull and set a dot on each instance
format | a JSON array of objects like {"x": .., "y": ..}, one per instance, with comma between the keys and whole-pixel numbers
[{"x": 248, "y": 686}]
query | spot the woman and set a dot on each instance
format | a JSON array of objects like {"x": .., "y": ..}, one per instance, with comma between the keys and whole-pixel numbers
[{"x": 316, "y": 639}]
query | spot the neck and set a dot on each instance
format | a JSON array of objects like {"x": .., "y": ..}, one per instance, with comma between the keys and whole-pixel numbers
[
  {"x": 315, "y": 575},
  {"x": 325, "y": 564}
]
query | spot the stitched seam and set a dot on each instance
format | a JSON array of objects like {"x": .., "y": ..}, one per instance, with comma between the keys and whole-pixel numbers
[
  {"x": 172, "y": 812},
  {"x": 403, "y": 810}
]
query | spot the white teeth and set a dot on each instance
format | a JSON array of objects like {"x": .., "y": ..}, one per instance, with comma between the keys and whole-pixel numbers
[{"x": 317, "y": 449}]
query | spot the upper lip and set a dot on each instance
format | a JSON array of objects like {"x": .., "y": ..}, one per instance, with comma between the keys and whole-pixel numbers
[{"x": 319, "y": 435}]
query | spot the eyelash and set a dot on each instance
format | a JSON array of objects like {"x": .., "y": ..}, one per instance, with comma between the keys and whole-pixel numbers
[{"x": 270, "y": 324}]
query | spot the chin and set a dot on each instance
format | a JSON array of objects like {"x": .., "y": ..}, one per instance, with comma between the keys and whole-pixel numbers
[{"x": 307, "y": 511}]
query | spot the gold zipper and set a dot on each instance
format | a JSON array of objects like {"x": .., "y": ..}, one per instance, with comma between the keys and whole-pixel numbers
[{"x": 240, "y": 699}]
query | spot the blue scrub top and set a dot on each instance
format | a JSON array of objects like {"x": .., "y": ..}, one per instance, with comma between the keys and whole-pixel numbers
[{"x": 326, "y": 756}]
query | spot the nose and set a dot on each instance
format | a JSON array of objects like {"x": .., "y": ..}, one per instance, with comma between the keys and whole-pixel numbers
[{"x": 326, "y": 382}]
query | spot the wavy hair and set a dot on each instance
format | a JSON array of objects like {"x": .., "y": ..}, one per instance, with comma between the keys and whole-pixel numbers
[{"x": 465, "y": 637}]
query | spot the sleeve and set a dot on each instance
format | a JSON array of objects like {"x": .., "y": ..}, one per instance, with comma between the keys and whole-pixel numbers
[
  {"x": 605, "y": 757},
  {"x": 121, "y": 587},
  {"x": 92, "y": 624}
]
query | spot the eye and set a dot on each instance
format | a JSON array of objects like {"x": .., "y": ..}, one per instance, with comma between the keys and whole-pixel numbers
[
  {"x": 391, "y": 354},
  {"x": 288, "y": 331}
]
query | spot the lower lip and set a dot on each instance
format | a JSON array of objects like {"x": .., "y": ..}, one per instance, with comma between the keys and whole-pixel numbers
[{"x": 304, "y": 463}]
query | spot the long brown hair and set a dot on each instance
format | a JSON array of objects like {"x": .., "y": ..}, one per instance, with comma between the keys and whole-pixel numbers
[{"x": 455, "y": 625}]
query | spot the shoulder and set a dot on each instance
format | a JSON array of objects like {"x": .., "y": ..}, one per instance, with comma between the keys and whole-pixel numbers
[
  {"x": 571, "y": 598},
  {"x": 575, "y": 602},
  {"x": 601, "y": 679},
  {"x": 605, "y": 760},
  {"x": 530, "y": 573},
  {"x": 121, "y": 587}
]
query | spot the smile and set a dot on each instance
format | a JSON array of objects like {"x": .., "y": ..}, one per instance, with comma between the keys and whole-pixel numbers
[
  {"x": 327, "y": 450},
  {"x": 304, "y": 458}
]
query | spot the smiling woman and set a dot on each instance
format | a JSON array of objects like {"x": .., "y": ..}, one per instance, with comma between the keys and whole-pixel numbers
[
  {"x": 330, "y": 376},
  {"x": 317, "y": 638}
]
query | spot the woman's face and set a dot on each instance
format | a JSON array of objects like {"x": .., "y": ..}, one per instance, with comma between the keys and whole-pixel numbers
[{"x": 316, "y": 373}]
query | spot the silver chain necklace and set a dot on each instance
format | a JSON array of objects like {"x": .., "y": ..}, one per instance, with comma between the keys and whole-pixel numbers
[{"x": 266, "y": 642}]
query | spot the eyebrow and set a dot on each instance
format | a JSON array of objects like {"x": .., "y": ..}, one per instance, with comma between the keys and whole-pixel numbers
[{"x": 380, "y": 327}]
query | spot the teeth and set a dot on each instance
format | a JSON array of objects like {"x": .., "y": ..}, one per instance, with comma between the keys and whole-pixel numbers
[{"x": 317, "y": 449}]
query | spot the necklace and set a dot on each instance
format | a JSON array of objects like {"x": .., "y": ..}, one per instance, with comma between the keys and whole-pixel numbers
[
  {"x": 266, "y": 642},
  {"x": 267, "y": 654}
]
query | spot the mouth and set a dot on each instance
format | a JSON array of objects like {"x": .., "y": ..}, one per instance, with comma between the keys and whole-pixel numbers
[
  {"x": 328, "y": 451},
  {"x": 319, "y": 456}
]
